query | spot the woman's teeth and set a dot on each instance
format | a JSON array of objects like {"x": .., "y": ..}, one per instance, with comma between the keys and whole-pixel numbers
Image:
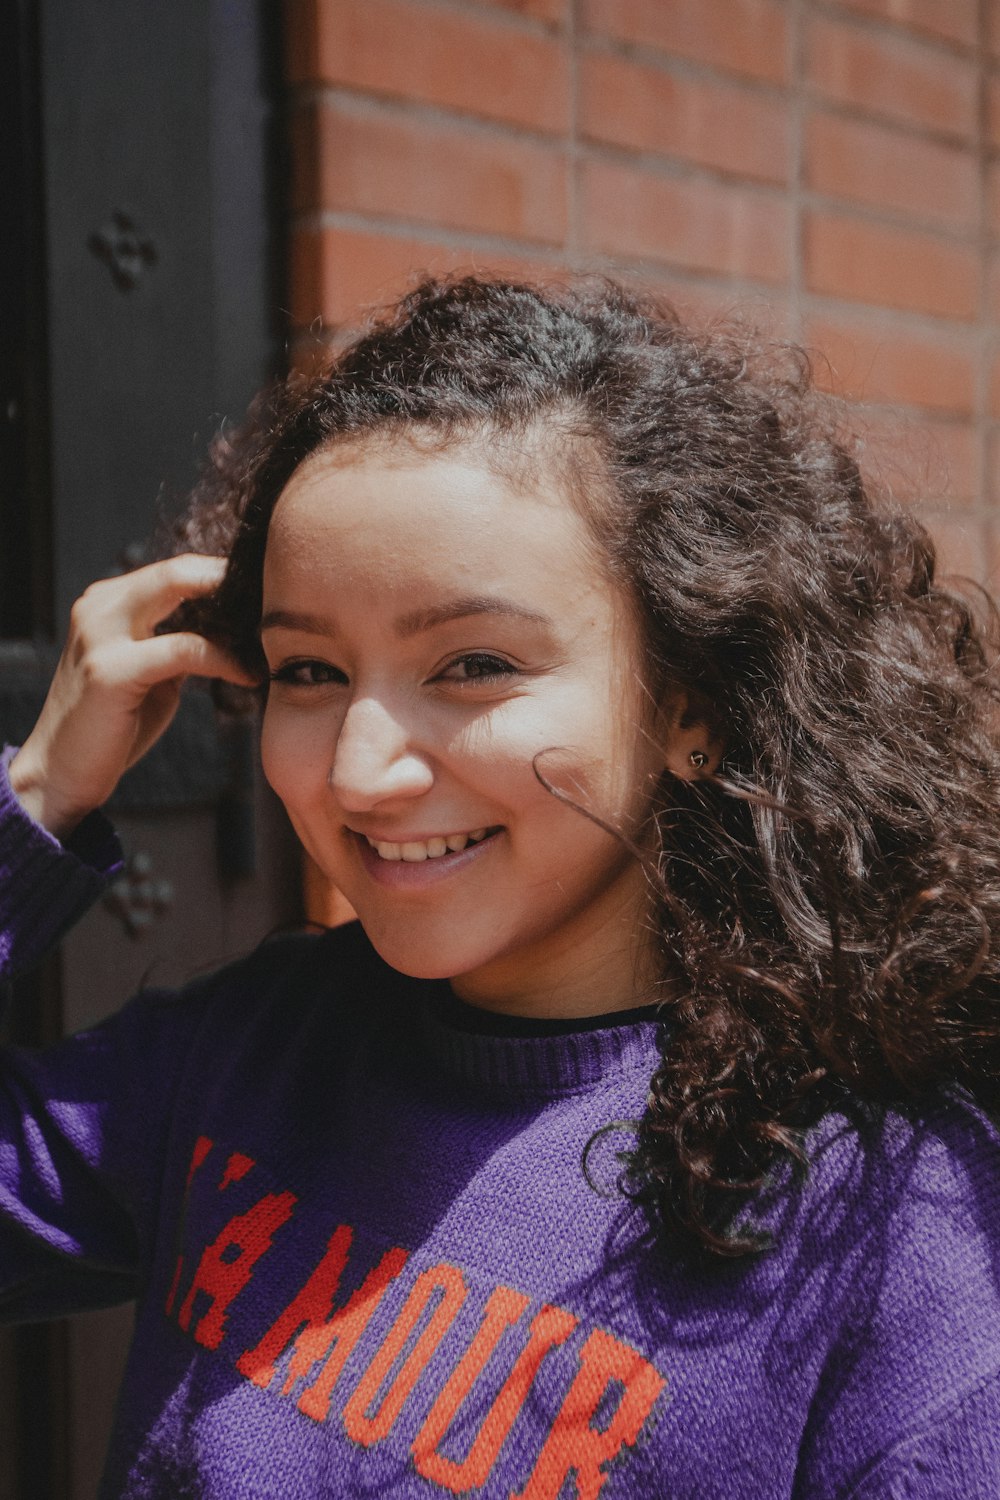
[{"x": 432, "y": 849}]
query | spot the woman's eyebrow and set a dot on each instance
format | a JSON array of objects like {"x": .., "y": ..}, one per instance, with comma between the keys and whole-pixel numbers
[
  {"x": 293, "y": 619},
  {"x": 458, "y": 609},
  {"x": 415, "y": 622}
]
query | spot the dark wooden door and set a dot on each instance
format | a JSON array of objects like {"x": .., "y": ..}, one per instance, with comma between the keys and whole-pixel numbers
[{"x": 140, "y": 276}]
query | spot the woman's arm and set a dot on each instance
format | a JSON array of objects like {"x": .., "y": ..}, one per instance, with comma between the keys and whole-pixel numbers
[
  {"x": 44, "y": 885},
  {"x": 114, "y": 692},
  {"x": 82, "y": 1123}
]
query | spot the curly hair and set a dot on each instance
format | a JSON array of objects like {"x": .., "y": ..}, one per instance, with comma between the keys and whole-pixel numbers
[{"x": 830, "y": 896}]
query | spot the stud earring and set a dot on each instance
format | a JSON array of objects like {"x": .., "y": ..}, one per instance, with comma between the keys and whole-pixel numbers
[{"x": 698, "y": 758}]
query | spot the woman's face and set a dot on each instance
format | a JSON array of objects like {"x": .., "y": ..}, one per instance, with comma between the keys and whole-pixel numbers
[{"x": 431, "y": 628}]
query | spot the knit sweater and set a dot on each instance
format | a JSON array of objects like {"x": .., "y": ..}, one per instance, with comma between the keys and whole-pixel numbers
[{"x": 373, "y": 1255}]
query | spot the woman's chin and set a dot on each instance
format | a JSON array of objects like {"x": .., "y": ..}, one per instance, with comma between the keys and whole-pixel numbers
[{"x": 419, "y": 956}]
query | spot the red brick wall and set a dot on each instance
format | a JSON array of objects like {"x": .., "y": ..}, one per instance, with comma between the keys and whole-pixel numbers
[{"x": 834, "y": 167}]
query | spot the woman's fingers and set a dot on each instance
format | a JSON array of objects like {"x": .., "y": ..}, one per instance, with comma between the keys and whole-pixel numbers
[
  {"x": 180, "y": 654},
  {"x": 140, "y": 600}
]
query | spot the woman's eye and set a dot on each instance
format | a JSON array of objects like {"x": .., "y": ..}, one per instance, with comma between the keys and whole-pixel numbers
[
  {"x": 478, "y": 666},
  {"x": 307, "y": 674}
]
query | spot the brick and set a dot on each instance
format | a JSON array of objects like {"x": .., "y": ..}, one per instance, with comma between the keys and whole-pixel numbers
[
  {"x": 710, "y": 302},
  {"x": 865, "y": 262},
  {"x": 965, "y": 548},
  {"x": 949, "y": 20},
  {"x": 993, "y": 199},
  {"x": 995, "y": 386},
  {"x": 889, "y": 169},
  {"x": 701, "y": 225},
  {"x": 993, "y": 111},
  {"x": 442, "y": 57},
  {"x": 993, "y": 473},
  {"x": 300, "y": 21},
  {"x": 893, "y": 365},
  {"x": 993, "y": 287},
  {"x": 553, "y": 12},
  {"x": 922, "y": 458},
  {"x": 715, "y": 124},
  {"x": 705, "y": 301},
  {"x": 392, "y": 165},
  {"x": 304, "y": 188},
  {"x": 897, "y": 77},
  {"x": 954, "y": 464},
  {"x": 337, "y": 274},
  {"x": 738, "y": 36}
]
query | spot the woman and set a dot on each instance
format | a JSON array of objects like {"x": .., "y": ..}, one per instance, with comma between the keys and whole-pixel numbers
[{"x": 637, "y": 1141}]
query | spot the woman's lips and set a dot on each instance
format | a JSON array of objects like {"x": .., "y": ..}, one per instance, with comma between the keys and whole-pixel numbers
[{"x": 401, "y": 874}]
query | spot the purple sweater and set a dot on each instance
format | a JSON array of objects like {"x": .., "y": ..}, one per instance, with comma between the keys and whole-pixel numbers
[{"x": 368, "y": 1261}]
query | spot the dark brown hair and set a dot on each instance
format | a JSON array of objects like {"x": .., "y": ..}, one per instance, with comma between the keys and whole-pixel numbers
[{"x": 830, "y": 897}]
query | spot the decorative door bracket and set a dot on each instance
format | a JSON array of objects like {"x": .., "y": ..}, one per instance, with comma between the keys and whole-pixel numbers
[
  {"x": 137, "y": 897},
  {"x": 125, "y": 250}
]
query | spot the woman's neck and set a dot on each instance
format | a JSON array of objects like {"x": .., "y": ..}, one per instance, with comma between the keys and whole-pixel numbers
[{"x": 621, "y": 971}]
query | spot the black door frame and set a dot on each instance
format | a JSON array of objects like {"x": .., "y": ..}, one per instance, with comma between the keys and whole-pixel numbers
[{"x": 141, "y": 288}]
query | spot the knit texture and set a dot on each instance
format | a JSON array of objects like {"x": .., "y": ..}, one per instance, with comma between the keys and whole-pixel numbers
[
  {"x": 44, "y": 887},
  {"x": 369, "y": 1259}
]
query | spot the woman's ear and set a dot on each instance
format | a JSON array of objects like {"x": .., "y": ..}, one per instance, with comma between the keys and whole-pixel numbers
[{"x": 691, "y": 748}]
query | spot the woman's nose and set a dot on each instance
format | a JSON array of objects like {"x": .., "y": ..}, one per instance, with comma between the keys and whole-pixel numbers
[{"x": 375, "y": 759}]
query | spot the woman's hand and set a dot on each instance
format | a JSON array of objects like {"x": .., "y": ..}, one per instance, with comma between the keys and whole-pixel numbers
[{"x": 116, "y": 688}]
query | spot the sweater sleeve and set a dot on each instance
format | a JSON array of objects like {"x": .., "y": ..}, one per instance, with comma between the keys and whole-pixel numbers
[
  {"x": 84, "y": 1130},
  {"x": 908, "y": 1401},
  {"x": 45, "y": 886},
  {"x": 956, "y": 1457}
]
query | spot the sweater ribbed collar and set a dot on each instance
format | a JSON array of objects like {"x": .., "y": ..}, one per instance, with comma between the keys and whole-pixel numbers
[{"x": 567, "y": 1063}]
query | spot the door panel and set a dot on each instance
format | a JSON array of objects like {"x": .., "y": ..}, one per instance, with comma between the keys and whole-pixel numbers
[
  {"x": 140, "y": 308},
  {"x": 158, "y": 143}
]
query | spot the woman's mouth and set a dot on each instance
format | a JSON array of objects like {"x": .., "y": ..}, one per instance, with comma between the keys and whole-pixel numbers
[
  {"x": 413, "y": 863},
  {"x": 415, "y": 850}
]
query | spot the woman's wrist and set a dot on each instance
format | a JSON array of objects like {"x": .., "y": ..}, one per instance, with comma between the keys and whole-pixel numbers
[{"x": 37, "y": 799}]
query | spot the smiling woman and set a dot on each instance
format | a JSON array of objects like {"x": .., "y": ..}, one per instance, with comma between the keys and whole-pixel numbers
[
  {"x": 637, "y": 1139},
  {"x": 404, "y": 716}
]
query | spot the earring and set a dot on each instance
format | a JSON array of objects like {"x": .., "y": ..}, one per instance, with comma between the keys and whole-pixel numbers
[{"x": 698, "y": 758}]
